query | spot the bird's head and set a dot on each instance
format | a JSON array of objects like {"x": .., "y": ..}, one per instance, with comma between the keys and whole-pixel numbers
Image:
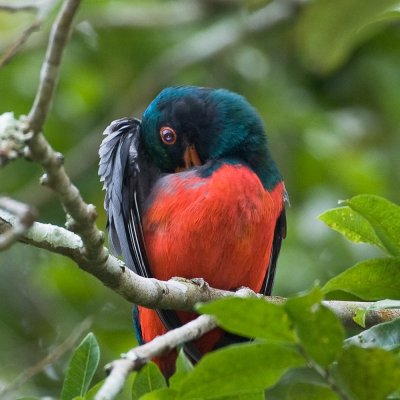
[{"x": 188, "y": 126}]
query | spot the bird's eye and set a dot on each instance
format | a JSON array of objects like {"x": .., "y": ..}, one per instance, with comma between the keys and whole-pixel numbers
[{"x": 168, "y": 135}]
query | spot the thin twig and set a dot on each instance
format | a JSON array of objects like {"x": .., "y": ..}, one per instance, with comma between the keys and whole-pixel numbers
[
  {"x": 136, "y": 358},
  {"x": 49, "y": 73},
  {"x": 51, "y": 358},
  {"x": 18, "y": 8},
  {"x": 21, "y": 40},
  {"x": 24, "y": 218}
]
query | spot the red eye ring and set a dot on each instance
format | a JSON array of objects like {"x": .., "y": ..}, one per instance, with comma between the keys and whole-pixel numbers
[{"x": 168, "y": 135}]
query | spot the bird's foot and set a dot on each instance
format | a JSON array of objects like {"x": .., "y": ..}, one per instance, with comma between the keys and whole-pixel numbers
[{"x": 201, "y": 283}]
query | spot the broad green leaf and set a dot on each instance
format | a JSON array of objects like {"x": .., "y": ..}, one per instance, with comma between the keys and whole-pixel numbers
[
  {"x": 374, "y": 279},
  {"x": 239, "y": 370},
  {"x": 368, "y": 373},
  {"x": 327, "y": 31},
  {"x": 351, "y": 225},
  {"x": 81, "y": 368},
  {"x": 384, "y": 217},
  {"x": 149, "y": 378},
  {"x": 385, "y": 335},
  {"x": 320, "y": 332},
  {"x": 251, "y": 317}
]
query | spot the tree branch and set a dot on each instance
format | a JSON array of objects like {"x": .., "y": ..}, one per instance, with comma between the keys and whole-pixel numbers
[
  {"x": 49, "y": 73},
  {"x": 18, "y": 8},
  {"x": 175, "y": 294},
  {"x": 81, "y": 215},
  {"x": 24, "y": 216},
  {"x": 21, "y": 40}
]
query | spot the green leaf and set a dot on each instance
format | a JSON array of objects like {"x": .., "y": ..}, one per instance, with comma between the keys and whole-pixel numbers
[
  {"x": 239, "y": 370},
  {"x": 320, "y": 332},
  {"x": 251, "y": 317},
  {"x": 373, "y": 279},
  {"x": 359, "y": 316},
  {"x": 351, "y": 225},
  {"x": 91, "y": 393},
  {"x": 327, "y": 31},
  {"x": 385, "y": 335},
  {"x": 149, "y": 378},
  {"x": 384, "y": 217},
  {"x": 81, "y": 368},
  {"x": 368, "y": 373}
]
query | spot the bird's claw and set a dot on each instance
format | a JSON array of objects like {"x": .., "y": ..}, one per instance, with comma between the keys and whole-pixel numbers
[{"x": 200, "y": 282}]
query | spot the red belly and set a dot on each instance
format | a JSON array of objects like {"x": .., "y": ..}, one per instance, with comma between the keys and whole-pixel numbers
[{"x": 219, "y": 228}]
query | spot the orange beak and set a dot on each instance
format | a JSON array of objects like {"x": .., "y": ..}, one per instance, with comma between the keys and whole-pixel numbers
[{"x": 190, "y": 158}]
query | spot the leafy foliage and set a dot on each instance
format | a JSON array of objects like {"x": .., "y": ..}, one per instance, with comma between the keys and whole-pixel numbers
[
  {"x": 81, "y": 368},
  {"x": 147, "y": 380},
  {"x": 376, "y": 221}
]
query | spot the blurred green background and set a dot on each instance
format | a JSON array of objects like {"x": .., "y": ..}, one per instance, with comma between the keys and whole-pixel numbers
[{"x": 324, "y": 75}]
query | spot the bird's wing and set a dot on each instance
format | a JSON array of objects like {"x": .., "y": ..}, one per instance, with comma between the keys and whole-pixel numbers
[
  {"x": 127, "y": 176},
  {"x": 279, "y": 235}
]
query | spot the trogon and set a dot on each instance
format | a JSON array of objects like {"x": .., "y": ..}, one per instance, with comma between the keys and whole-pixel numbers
[{"x": 192, "y": 191}]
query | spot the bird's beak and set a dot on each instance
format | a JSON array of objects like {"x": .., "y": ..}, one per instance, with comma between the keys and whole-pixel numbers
[{"x": 190, "y": 158}]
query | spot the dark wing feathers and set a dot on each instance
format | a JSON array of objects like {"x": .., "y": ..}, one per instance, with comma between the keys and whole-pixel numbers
[
  {"x": 127, "y": 178},
  {"x": 279, "y": 235}
]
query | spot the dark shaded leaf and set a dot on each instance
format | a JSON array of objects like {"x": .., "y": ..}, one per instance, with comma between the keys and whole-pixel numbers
[
  {"x": 301, "y": 384},
  {"x": 368, "y": 373}
]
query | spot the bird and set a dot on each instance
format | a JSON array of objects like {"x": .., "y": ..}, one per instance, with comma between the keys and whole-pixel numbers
[{"x": 192, "y": 191}]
